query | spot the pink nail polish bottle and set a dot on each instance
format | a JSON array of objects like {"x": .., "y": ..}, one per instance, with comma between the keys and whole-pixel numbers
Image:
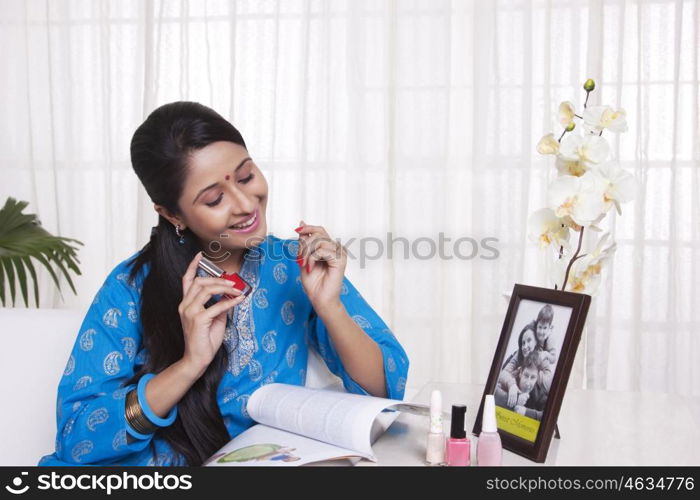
[
  {"x": 489, "y": 450},
  {"x": 458, "y": 444}
]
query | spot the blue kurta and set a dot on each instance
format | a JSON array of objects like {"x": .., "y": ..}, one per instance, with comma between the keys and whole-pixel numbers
[{"x": 267, "y": 338}]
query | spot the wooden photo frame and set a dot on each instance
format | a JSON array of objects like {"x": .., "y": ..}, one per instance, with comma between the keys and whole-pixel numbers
[{"x": 531, "y": 368}]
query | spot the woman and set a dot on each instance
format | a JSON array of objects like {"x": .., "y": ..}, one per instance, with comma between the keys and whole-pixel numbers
[
  {"x": 507, "y": 380},
  {"x": 163, "y": 366}
]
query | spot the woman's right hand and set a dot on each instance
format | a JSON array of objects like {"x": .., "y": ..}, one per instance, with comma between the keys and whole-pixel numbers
[{"x": 204, "y": 328}]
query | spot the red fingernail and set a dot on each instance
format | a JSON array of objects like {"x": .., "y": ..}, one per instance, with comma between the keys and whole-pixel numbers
[
  {"x": 299, "y": 260},
  {"x": 299, "y": 228}
]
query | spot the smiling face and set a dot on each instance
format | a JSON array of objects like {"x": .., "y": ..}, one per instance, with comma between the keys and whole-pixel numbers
[
  {"x": 527, "y": 343},
  {"x": 223, "y": 188},
  {"x": 544, "y": 328}
]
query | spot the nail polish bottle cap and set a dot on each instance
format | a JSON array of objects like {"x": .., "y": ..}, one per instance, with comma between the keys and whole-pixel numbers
[
  {"x": 210, "y": 267},
  {"x": 488, "y": 420},
  {"x": 457, "y": 426},
  {"x": 436, "y": 412}
]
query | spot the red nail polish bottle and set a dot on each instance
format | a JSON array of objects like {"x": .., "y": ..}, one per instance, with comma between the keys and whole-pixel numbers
[{"x": 213, "y": 270}]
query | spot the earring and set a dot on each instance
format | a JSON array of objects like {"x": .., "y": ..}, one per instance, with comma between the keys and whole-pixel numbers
[{"x": 182, "y": 237}]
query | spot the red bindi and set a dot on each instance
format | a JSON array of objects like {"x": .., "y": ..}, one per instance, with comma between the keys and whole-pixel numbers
[{"x": 228, "y": 177}]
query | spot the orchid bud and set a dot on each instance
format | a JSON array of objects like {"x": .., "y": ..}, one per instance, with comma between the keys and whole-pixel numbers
[
  {"x": 589, "y": 85},
  {"x": 570, "y": 127}
]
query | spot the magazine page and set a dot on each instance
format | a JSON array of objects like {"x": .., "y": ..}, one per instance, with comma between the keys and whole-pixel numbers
[
  {"x": 261, "y": 445},
  {"x": 338, "y": 418}
]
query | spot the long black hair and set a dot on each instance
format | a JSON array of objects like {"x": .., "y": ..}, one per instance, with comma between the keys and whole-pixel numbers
[
  {"x": 159, "y": 152},
  {"x": 532, "y": 326},
  {"x": 518, "y": 355}
]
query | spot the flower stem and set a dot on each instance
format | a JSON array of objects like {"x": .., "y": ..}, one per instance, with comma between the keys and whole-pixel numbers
[
  {"x": 573, "y": 259},
  {"x": 585, "y": 104},
  {"x": 561, "y": 254},
  {"x": 561, "y": 136}
]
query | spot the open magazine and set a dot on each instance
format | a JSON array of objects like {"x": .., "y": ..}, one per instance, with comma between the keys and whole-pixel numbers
[{"x": 299, "y": 425}]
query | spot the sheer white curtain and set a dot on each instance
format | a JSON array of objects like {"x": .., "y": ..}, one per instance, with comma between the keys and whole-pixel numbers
[{"x": 384, "y": 119}]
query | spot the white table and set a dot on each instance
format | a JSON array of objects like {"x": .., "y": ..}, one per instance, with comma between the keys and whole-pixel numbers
[{"x": 597, "y": 428}]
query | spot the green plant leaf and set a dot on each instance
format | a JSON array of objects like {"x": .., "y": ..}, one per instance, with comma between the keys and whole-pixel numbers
[
  {"x": 10, "y": 278},
  {"x": 68, "y": 254},
  {"x": 11, "y": 215},
  {"x": 2, "y": 286},
  {"x": 55, "y": 256},
  {"x": 22, "y": 239},
  {"x": 22, "y": 276},
  {"x": 28, "y": 262},
  {"x": 40, "y": 257}
]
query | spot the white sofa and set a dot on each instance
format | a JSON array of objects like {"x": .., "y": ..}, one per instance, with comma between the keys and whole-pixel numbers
[{"x": 36, "y": 346}]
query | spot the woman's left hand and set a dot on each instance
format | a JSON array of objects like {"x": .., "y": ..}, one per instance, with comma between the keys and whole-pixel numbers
[{"x": 322, "y": 262}]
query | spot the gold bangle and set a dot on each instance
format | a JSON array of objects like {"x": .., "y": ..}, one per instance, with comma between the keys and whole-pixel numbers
[{"x": 135, "y": 416}]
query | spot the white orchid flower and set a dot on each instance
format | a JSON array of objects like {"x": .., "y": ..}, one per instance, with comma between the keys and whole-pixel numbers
[
  {"x": 618, "y": 185},
  {"x": 570, "y": 167},
  {"x": 548, "y": 145},
  {"x": 597, "y": 118},
  {"x": 588, "y": 149},
  {"x": 601, "y": 251},
  {"x": 566, "y": 114},
  {"x": 580, "y": 198},
  {"x": 571, "y": 224},
  {"x": 583, "y": 278},
  {"x": 545, "y": 228},
  {"x": 585, "y": 273},
  {"x": 593, "y": 226}
]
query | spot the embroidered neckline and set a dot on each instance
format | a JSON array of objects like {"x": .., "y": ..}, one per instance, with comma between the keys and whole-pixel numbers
[{"x": 239, "y": 338}]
